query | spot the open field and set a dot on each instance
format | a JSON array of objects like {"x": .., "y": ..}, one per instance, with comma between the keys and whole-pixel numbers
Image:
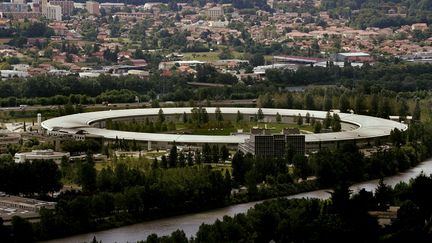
[
  {"x": 4, "y": 40},
  {"x": 276, "y": 128},
  {"x": 201, "y": 56}
]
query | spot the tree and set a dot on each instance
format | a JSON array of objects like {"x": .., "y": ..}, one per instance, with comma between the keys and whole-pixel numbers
[
  {"x": 374, "y": 104},
  {"x": 189, "y": 159},
  {"x": 182, "y": 160},
  {"x": 260, "y": 115},
  {"x": 336, "y": 124},
  {"x": 225, "y": 54},
  {"x": 403, "y": 109},
  {"x": 48, "y": 176},
  {"x": 308, "y": 118},
  {"x": 312, "y": 120},
  {"x": 417, "y": 111},
  {"x": 359, "y": 104},
  {"x": 257, "y": 59},
  {"x": 409, "y": 217},
  {"x": 301, "y": 167},
  {"x": 309, "y": 102},
  {"x": 384, "y": 109},
  {"x": 218, "y": 115},
  {"x": 161, "y": 116},
  {"x": 138, "y": 54},
  {"x": 278, "y": 118},
  {"x": 204, "y": 118},
  {"x": 22, "y": 230},
  {"x": 215, "y": 154},
  {"x": 155, "y": 164},
  {"x": 289, "y": 101},
  {"x": 239, "y": 167},
  {"x": 173, "y": 157},
  {"x": 383, "y": 195},
  {"x": 397, "y": 137},
  {"x": 340, "y": 198},
  {"x": 164, "y": 162},
  {"x": 239, "y": 117},
  {"x": 206, "y": 153},
  {"x": 4, "y": 232},
  {"x": 328, "y": 102},
  {"x": 87, "y": 174},
  {"x": 315, "y": 48},
  {"x": 185, "y": 118},
  {"x": 344, "y": 104},
  {"x": 197, "y": 157},
  {"x": 328, "y": 120},
  {"x": 317, "y": 127},
  {"x": 299, "y": 119},
  {"x": 224, "y": 153}
]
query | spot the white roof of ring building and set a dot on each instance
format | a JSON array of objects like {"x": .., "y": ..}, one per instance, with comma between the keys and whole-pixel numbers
[{"x": 368, "y": 127}]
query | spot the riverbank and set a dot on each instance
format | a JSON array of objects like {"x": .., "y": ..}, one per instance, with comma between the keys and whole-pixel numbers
[{"x": 190, "y": 223}]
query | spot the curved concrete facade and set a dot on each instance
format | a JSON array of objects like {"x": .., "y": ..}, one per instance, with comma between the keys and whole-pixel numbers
[{"x": 92, "y": 123}]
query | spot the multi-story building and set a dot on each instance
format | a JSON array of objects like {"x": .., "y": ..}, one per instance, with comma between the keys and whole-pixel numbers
[
  {"x": 296, "y": 143},
  {"x": 13, "y": 7},
  {"x": 92, "y": 7},
  {"x": 44, "y": 7},
  {"x": 54, "y": 12},
  {"x": 67, "y": 6},
  {"x": 215, "y": 12},
  {"x": 266, "y": 145},
  {"x": 109, "y": 6}
]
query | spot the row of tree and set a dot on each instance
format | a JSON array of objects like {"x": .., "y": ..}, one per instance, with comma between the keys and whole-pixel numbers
[
  {"x": 62, "y": 90},
  {"x": 30, "y": 178},
  {"x": 380, "y": 105}
]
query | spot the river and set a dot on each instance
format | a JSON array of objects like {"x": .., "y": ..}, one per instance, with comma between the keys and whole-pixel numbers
[{"x": 191, "y": 222}]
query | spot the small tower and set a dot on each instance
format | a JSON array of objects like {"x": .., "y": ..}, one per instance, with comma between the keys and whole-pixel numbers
[{"x": 39, "y": 122}]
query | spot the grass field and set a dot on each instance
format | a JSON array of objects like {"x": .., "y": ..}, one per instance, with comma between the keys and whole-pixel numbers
[
  {"x": 201, "y": 56},
  {"x": 268, "y": 59},
  {"x": 4, "y": 40},
  {"x": 208, "y": 56},
  {"x": 276, "y": 128}
]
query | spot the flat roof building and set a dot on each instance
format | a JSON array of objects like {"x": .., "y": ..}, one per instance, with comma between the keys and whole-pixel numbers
[
  {"x": 215, "y": 12},
  {"x": 13, "y": 7},
  {"x": 54, "y": 12},
  {"x": 92, "y": 8},
  {"x": 67, "y": 6},
  {"x": 27, "y": 208},
  {"x": 7, "y": 139},
  {"x": 48, "y": 154}
]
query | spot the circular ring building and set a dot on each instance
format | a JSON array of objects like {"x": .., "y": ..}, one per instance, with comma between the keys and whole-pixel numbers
[{"x": 359, "y": 128}]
